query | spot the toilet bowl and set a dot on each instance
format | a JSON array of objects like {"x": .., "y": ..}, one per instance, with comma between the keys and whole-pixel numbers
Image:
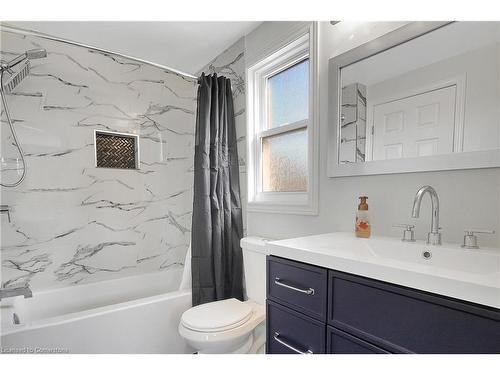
[
  {"x": 232, "y": 326},
  {"x": 225, "y": 326}
]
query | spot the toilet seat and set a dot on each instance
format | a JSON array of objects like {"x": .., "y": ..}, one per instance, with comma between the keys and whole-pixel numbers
[
  {"x": 225, "y": 334},
  {"x": 217, "y": 316}
]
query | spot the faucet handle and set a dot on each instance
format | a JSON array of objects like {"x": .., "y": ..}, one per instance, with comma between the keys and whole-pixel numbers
[
  {"x": 470, "y": 238},
  {"x": 403, "y": 225},
  {"x": 408, "y": 233},
  {"x": 471, "y": 231}
]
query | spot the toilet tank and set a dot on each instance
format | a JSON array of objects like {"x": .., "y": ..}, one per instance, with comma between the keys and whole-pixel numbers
[{"x": 254, "y": 266}]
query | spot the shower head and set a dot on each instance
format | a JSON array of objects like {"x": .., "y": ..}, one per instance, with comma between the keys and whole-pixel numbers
[
  {"x": 30, "y": 55},
  {"x": 16, "y": 78},
  {"x": 36, "y": 53}
]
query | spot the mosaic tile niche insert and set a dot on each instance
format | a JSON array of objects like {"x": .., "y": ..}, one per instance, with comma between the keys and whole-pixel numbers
[{"x": 116, "y": 150}]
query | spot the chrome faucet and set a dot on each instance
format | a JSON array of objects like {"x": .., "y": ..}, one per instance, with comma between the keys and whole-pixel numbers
[
  {"x": 433, "y": 237},
  {"x": 16, "y": 291}
]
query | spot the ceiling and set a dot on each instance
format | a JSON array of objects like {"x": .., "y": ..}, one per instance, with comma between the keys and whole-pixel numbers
[{"x": 185, "y": 46}]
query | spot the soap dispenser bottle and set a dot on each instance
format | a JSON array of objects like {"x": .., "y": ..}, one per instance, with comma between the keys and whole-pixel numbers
[{"x": 363, "y": 227}]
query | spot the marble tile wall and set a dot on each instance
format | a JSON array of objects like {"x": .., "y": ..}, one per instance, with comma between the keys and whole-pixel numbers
[
  {"x": 74, "y": 223},
  {"x": 231, "y": 64}
]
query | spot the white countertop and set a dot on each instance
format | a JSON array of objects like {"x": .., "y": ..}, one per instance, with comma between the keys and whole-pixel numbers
[{"x": 470, "y": 275}]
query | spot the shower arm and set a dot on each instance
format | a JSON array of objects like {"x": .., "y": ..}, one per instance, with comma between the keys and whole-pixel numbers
[{"x": 19, "y": 59}]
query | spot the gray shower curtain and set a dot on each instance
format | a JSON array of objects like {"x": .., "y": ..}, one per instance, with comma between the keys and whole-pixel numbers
[{"x": 217, "y": 227}]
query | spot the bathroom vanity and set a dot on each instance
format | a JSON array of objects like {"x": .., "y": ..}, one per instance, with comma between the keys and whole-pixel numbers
[{"x": 337, "y": 294}]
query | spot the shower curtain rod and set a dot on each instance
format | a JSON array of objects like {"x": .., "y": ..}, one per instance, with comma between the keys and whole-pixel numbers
[{"x": 19, "y": 30}]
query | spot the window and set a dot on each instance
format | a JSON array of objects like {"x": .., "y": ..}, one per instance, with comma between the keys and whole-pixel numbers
[
  {"x": 284, "y": 142},
  {"x": 281, "y": 129}
]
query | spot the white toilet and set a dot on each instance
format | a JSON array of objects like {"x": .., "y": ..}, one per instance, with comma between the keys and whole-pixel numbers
[{"x": 232, "y": 326}]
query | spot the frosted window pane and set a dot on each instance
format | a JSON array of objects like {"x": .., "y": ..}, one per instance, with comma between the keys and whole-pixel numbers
[
  {"x": 284, "y": 162},
  {"x": 289, "y": 95}
]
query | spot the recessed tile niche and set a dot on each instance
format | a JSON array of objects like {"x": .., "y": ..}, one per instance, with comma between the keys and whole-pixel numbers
[{"x": 116, "y": 150}]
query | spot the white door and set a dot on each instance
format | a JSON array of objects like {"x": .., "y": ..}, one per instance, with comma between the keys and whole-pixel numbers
[{"x": 419, "y": 125}]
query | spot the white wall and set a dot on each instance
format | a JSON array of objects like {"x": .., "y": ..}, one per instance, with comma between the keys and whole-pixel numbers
[{"x": 468, "y": 198}]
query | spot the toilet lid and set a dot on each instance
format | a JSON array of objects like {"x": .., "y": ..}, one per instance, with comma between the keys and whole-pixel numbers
[{"x": 217, "y": 316}]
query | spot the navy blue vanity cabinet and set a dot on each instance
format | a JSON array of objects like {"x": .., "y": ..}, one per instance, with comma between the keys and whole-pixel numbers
[
  {"x": 296, "y": 307},
  {"x": 314, "y": 310},
  {"x": 404, "y": 320}
]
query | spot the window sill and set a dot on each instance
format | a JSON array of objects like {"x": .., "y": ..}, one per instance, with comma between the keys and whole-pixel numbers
[{"x": 284, "y": 203}]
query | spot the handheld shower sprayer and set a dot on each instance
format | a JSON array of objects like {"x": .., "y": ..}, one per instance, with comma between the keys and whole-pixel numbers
[{"x": 7, "y": 88}]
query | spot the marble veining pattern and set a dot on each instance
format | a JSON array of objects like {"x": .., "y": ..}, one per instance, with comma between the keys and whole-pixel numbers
[
  {"x": 74, "y": 223},
  {"x": 353, "y": 120}
]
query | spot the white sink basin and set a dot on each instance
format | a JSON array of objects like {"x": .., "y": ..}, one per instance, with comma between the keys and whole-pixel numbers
[{"x": 471, "y": 275}]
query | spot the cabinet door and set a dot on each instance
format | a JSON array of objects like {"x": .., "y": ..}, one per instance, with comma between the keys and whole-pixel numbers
[
  {"x": 340, "y": 342},
  {"x": 290, "y": 332},
  {"x": 299, "y": 286},
  {"x": 407, "y": 320}
]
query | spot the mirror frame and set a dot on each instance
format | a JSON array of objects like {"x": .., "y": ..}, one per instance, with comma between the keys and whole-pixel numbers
[{"x": 458, "y": 160}]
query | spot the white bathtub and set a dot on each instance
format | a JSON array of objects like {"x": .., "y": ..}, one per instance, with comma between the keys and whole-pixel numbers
[{"x": 136, "y": 314}]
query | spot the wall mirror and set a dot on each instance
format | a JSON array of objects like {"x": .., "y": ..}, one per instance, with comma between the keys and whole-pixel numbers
[{"x": 424, "y": 97}]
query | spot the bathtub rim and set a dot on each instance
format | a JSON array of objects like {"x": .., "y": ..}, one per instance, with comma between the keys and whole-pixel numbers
[
  {"x": 76, "y": 287},
  {"x": 94, "y": 312}
]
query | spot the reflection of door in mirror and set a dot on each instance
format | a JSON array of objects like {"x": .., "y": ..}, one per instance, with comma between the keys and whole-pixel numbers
[{"x": 418, "y": 125}]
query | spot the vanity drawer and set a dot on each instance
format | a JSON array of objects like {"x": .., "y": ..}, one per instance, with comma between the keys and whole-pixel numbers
[
  {"x": 407, "y": 320},
  {"x": 340, "y": 342},
  {"x": 290, "y": 332},
  {"x": 297, "y": 285}
]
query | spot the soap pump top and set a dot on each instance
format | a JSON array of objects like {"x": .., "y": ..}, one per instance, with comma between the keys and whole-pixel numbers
[{"x": 363, "y": 206}]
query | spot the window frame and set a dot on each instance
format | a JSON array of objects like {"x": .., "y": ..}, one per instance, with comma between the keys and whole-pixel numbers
[
  {"x": 303, "y": 46},
  {"x": 264, "y": 131}
]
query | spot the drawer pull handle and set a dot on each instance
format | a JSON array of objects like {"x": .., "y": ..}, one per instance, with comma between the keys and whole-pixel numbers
[
  {"x": 291, "y": 347},
  {"x": 309, "y": 291}
]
